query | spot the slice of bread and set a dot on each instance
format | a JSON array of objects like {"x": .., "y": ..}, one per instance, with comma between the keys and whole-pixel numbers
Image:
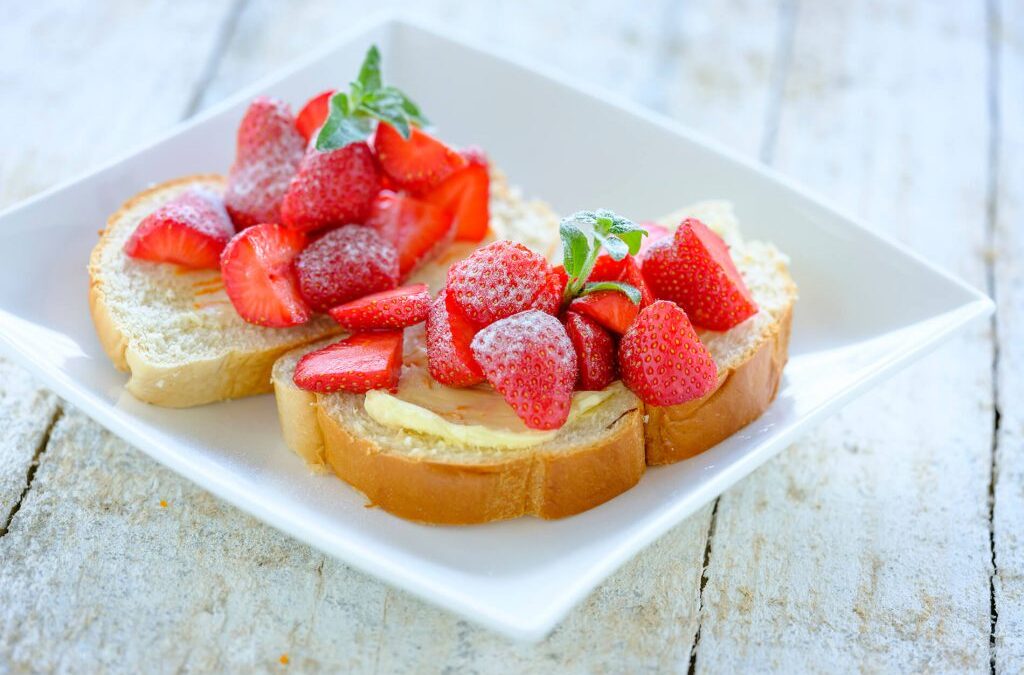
[
  {"x": 592, "y": 459},
  {"x": 174, "y": 330}
]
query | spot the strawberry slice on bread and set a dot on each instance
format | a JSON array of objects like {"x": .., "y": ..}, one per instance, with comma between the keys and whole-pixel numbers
[
  {"x": 191, "y": 230},
  {"x": 396, "y": 308},
  {"x": 358, "y": 363},
  {"x": 256, "y": 266}
]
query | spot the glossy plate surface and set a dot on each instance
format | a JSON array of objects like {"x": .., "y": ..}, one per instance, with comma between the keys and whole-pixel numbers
[{"x": 851, "y": 329}]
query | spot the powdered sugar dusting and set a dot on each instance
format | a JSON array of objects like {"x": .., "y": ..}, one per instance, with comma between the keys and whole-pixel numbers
[
  {"x": 346, "y": 264},
  {"x": 499, "y": 280},
  {"x": 200, "y": 209}
]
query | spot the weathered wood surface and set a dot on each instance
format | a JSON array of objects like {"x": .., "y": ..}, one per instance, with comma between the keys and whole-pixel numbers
[
  {"x": 1008, "y": 288},
  {"x": 865, "y": 546}
]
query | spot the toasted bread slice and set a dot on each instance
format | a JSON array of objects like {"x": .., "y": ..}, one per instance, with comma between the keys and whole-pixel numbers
[{"x": 593, "y": 458}]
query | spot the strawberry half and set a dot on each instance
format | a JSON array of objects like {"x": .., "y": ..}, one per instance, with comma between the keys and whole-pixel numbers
[
  {"x": 418, "y": 229},
  {"x": 345, "y": 264},
  {"x": 269, "y": 151},
  {"x": 313, "y": 114},
  {"x": 595, "y": 351},
  {"x": 416, "y": 163},
  {"x": 530, "y": 360},
  {"x": 466, "y": 194},
  {"x": 332, "y": 188},
  {"x": 499, "y": 280},
  {"x": 694, "y": 270},
  {"x": 663, "y": 360},
  {"x": 611, "y": 309},
  {"x": 357, "y": 364},
  {"x": 397, "y": 308},
  {"x": 449, "y": 335},
  {"x": 258, "y": 277},
  {"x": 190, "y": 230}
]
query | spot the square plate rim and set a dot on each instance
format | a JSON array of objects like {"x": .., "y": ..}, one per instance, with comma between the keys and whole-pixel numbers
[{"x": 975, "y": 306}]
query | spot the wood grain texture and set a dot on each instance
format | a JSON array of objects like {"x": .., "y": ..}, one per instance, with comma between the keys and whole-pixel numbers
[
  {"x": 865, "y": 546},
  {"x": 1008, "y": 289}
]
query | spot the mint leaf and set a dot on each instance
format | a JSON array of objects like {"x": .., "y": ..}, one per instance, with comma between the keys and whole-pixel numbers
[
  {"x": 351, "y": 115},
  {"x": 616, "y": 248},
  {"x": 575, "y": 248},
  {"x": 631, "y": 292}
]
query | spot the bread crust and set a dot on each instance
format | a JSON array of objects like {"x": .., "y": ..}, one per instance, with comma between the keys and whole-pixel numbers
[
  {"x": 675, "y": 433},
  {"x": 236, "y": 374},
  {"x": 547, "y": 485}
]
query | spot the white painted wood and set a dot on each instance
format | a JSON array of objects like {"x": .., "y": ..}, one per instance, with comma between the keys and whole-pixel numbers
[
  {"x": 1008, "y": 257},
  {"x": 866, "y": 545}
]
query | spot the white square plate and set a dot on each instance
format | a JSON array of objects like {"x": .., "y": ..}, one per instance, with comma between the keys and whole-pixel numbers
[{"x": 520, "y": 577}]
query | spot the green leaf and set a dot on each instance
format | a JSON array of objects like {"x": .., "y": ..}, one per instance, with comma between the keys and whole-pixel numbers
[
  {"x": 341, "y": 128},
  {"x": 632, "y": 240},
  {"x": 616, "y": 248},
  {"x": 631, "y": 292},
  {"x": 575, "y": 248},
  {"x": 369, "y": 73}
]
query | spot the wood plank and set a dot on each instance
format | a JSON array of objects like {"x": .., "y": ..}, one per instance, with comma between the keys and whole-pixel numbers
[
  {"x": 1008, "y": 256},
  {"x": 253, "y": 594},
  {"x": 866, "y": 546}
]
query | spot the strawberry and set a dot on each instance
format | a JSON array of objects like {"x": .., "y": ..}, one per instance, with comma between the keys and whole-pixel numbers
[
  {"x": 694, "y": 270},
  {"x": 549, "y": 299},
  {"x": 345, "y": 264},
  {"x": 663, "y": 360},
  {"x": 466, "y": 194},
  {"x": 595, "y": 351},
  {"x": 449, "y": 334},
  {"x": 499, "y": 280},
  {"x": 416, "y": 163},
  {"x": 626, "y": 270},
  {"x": 269, "y": 151},
  {"x": 612, "y": 309},
  {"x": 655, "y": 232},
  {"x": 357, "y": 364},
  {"x": 418, "y": 229},
  {"x": 530, "y": 360},
  {"x": 258, "y": 277},
  {"x": 190, "y": 230},
  {"x": 332, "y": 188},
  {"x": 397, "y": 308},
  {"x": 313, "y": 114}
]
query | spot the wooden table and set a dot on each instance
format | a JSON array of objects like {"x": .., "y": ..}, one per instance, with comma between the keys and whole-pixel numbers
[{"x": 889, "y": 539}]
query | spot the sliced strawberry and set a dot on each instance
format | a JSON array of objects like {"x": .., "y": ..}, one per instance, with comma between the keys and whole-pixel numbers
[
  {"x": 397, "y": 308},
  {"x": 357, "y": 364},
  {"x": 345, "y": 264},
  {"x": 663, "y": 360},
  {"x": 595, "y": 351},
  {"x": 269, "y": 151},
  {"x": 549, "y": 299},
  {"x": 449, "y": 334},
  {"x": 332, "y": 188},
  {"x": 258, "y": 276},
  {"x": 418, "y": 229},
  {"x": 313, "y": 114},
  {"x": 466, "y": 194},
  {"x": 416, "y": 163},
  {"x": 190, "y": 230},
  {"x": 694, "y": 270},
  {"x": 612, "y": 309},
  {"x": 530, "y": 360},
  {"x": 499, "y": 280},
  {"x": 626, "y": 270}
]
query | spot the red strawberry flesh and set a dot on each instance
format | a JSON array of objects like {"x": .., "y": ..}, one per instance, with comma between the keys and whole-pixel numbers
[
  {"x": 530, "y": 361},
  {"x": 269, "y": 151},
  {"x": 331, "y": 188},
  {"x": 418, "y": 229},
  {"x": 449, "y": 335},
  {"x": 662, "y": 359},
  {"x": 313, "y": 114},
  {"x": 345, "y": 264},
  {"x": 611, "y": 309},
  {"x": 595, "y": 351},
  {"x": 466, "y": 194},
  {"x": 416, "y": 163},
  {"x": 357, "y": 364},
  {"x": 397, "y": 308},
  {"x": 258, "y": 276},
  {"x": 191, "y": 230}
]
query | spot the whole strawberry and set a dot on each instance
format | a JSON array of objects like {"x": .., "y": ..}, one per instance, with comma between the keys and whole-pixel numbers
[
  {"x": 530, "y": 360},
  {"x": 345, "y": 264},
  {"x": 694, "y": 270},
  {"x": 332, "y": 187},
  {"x": 269, "y": 151},
  {"x": 662, "y": 359},
  {"x": 499, "y": 280}
]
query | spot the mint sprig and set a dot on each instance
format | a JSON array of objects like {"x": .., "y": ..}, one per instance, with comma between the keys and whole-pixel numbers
[
  {"x": 584, "y": 234},
  {"x": 351, "y": 114}
]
